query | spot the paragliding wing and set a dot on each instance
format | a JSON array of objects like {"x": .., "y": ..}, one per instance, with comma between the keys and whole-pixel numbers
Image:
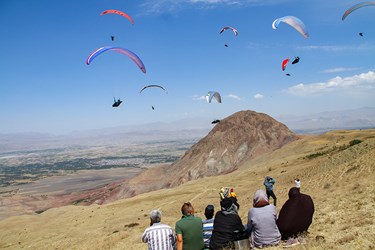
[
  {"x": 296, "y": 60},
  {"x": 118, "y": 13},
  {"x": 126, "y": 52},
  {"x": 212, "y": 94},
  {"x": 293, "y": 21},
  {"x": 285, "y": 62},
  {"x": 228, "y": 27},
  {"x": 355, "y": 7},
  {"x": 153, "y": 86}
]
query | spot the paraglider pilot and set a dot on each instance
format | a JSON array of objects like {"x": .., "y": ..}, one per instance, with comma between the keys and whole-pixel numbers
[{"x": 116, "y": 103}]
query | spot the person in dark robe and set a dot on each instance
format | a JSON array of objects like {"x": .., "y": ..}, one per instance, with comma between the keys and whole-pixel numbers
[
  {"x": 296, "y": 215},
  {"x": 227, "y": 224}
]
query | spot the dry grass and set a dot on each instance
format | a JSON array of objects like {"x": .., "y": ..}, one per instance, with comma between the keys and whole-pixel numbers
[{"x": 340, "y": 182}]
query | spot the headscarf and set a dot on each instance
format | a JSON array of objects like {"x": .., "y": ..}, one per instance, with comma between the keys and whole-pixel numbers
[
  {"x": 260, "y": 199},
  {"x": 296, "y": 214},
  {"x": 227, "y": 206}
]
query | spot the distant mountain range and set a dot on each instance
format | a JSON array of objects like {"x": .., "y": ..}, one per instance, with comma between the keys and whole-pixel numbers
[
  {"x": 190, "y": 129},
  {"x": 362, "y": 118}
]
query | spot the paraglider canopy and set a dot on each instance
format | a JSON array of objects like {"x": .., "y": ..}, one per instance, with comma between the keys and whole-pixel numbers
[
  {"x": 296, "y": 60},
  {"x": 293, "y": 21},
  {"x": 153, "y": 86},
  {"x": 212, "y": 94},
  {"x": 284, "y": 63},
  {"x": 118, "y": 13},
  {"x": 355, "y": 7},
  {"x": 228, "y": 27},
  {"x": 123, "y": 51}
]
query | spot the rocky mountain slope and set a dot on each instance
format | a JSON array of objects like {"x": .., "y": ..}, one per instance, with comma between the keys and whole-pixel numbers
[{"x": 237, "y": 138}]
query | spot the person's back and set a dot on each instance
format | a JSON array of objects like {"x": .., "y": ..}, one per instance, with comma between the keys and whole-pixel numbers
[
  {"x": 189, "y": 230},
  {"x": 158, "y": 236},
  {"x": 262, "y": 222},
  {"x": 208, "y": 225},
  {"x": 226, "y": 223},
  {"x": 296, "y": 215}
]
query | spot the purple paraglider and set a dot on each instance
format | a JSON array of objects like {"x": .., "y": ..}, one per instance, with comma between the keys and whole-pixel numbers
[{"x": 126, "y": 52}]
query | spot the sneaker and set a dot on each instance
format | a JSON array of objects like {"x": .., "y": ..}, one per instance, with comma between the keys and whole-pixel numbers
[{"x": 291, "y": 242}]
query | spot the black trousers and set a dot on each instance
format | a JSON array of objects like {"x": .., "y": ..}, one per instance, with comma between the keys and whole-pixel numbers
[{"x": 270, "y": 193}]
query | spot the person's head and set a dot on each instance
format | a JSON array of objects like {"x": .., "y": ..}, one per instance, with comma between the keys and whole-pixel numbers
[
  {"x": 209, "y": 212},
  {"x": 260, "y": 198},
  {"x": 187, "y": 209},
  {"x": 268, "y": 178},
  {"x": 293, "y": 192},
  {"x": 226, "y": 204},
  {"x": 155, "y": 216}
]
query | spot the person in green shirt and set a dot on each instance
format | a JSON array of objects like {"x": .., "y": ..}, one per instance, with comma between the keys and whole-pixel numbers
[{"x": 189, "y": 229}]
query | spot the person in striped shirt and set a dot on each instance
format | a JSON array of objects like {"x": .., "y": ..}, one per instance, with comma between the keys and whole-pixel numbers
[
  {"x": 208, "y": 225},
  {"x": 159, "y": 236}
]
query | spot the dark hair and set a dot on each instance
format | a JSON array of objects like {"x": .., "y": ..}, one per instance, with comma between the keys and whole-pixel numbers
[
  {"x": 209, "y": 212},
  {"x": 187, "y": 208}
]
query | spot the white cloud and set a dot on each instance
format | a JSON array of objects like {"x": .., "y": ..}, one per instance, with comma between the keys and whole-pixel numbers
[
  {"x": 232, "y": 96},
  {"x": 339, "y": 69},
  {"x": 168, "y": 6},
  {"x": 198, "y": 98},
  {"x": 333, "y": 48},
  {"x": 258, "y": 96},
  {"x": 337, "y": 48},
  {"x": 364, "y": 81}
]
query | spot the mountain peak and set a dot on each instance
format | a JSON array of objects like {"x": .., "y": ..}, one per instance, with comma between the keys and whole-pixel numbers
[{"x": 241, "y": 136}]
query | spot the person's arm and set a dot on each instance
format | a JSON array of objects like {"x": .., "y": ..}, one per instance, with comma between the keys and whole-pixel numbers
[
  {"x": 144, "y": 237},
  {"x": 180, "y": 241},
  {"x": 249, "y": 222}
]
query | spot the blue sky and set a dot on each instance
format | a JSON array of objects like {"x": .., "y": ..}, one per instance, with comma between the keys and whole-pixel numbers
[{"x": 46, "y": 86}]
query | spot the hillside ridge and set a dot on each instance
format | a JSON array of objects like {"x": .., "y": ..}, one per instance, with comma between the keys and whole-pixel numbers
[{"x": 336, "y": 169}]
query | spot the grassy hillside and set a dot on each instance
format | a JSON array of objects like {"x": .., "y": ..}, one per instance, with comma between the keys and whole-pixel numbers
[{"x": 337, "y": 169}]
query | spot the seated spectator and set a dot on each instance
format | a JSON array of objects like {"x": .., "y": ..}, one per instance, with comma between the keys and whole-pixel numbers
[
  {"x": 208, "y": 225},
  {"x": 189, "y": 229},
  {"x": 226, "y": 223},
  {"x": 296, "y": 215},
  {"x": 159, "y": 236},
  {"x": 261, "y": 222}
]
